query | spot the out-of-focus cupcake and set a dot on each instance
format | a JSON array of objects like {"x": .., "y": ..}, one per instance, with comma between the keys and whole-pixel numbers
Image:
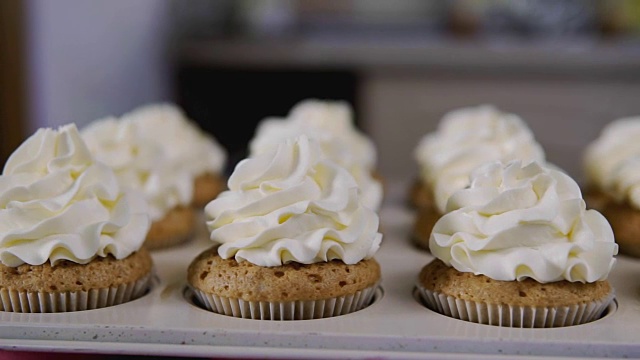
[
  {"x": 612, "y": 164},
  {"x": 186, "y": 146},
  {"x": 296, "y": 241},
  {"x": 330, "y": 123},
  {"x": 70, "y": 236},
  {"x": 144, "y": 165},
  {"x": 518, "y": 248},
  {"x": 465, "y": 139}
]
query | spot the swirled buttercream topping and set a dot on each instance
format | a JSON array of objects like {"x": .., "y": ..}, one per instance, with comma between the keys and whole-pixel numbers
[
  {"x": 467, "y": 138},
  {"x": 140, "y": 163},
  {"x": 291, "y": 203},
  {"x": 330, "y": 124},
  {"x": 58, "y": 203},
  {"x": 184, "y": 142},
  {"x": 516, "y": 222},
  {"x": 612, "y": 161}
]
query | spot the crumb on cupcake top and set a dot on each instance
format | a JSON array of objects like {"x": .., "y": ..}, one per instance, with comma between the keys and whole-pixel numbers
[
  {"x": 68, "y": 276},
  {"x": 244, "y": 280},
  {"x": 440, "y": 278}
]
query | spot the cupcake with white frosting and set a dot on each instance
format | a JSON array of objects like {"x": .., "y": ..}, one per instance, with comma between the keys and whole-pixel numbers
[
  {"x": 330, "y": 123},
  {"x": 612, "y": 164},
  {"x": 465, "y": 139},
  {"x": 295, "y": 240},
  {"x": 144, "y": 165},
  {"x": 188, "y": 149},
  {"x": 518, "y": 248},
  {"x": 158, "y": 151},
  {"x": 70, "y": 236}
]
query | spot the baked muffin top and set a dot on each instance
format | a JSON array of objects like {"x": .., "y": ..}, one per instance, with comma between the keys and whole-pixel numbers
[
  {"x": 244, "y": 280},
  {"x": 440, "y": 278}
]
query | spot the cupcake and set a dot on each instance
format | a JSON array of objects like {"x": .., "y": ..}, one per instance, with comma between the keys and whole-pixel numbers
[
  {"x": 518, "y": 248},
  {"x": 144, "y": 165},
  {"x": 330, "y": 123},
  {"x": 295, "y": 240},
  {"x": 70, "y": 236},
  {"x": 612, "y": 164},
  {"x": 186, "y": 146},
  {"x": 465, "y": 139}
]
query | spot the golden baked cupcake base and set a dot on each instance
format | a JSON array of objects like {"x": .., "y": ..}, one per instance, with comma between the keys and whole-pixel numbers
[
  {"x": 420, "y": 195},
  {"x": 176, "y": 227},
  {"x": 288, "y": 292},
  {"x": 70, "y": 286},
  {"x": 595, "y": 198},
  {"x": 206, "y": 187},
  {"x": 625, "y": 222},
  {"x": 426, "y": 218},
  {"x": 520, "y": 304}
]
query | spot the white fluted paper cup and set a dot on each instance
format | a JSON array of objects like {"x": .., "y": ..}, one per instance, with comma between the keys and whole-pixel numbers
[
  {"x": 286, "y": 310},
  {"x": 514, "y": 315},
  {"x": 51, "y": 302}
]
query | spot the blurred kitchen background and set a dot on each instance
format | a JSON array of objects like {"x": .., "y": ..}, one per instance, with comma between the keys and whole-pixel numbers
[{"x": 566, "y": 66}]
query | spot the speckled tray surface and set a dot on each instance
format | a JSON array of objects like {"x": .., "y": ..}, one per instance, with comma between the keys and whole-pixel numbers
[{"x": 166, "y": 322}]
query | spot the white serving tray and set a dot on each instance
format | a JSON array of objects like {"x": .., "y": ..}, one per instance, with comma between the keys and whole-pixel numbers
[{"x": 165, "y": 321}]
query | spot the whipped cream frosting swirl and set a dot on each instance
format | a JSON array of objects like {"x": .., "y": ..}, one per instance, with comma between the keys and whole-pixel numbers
[
  {"x": 331, "y": 125},
  {"x": 467, "y": 138},
  {"x": 291, "y": 203},
  {"x": 58, "y": 203},
  {"x": 140, "y": 163},
  {"x": 516, "y": 222},
  {"x": 612, "y": 162},
  {"x": 185, "y": 144}
]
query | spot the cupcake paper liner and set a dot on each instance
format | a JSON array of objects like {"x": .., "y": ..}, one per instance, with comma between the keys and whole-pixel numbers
[
  {"x": 514, "y": 315},
  {"x": 286, "y": 310},
  {"x": 51, "y": 302}
]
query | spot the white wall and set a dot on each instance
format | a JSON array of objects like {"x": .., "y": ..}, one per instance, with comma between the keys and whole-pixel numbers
[{"x": 88, "y": 59}]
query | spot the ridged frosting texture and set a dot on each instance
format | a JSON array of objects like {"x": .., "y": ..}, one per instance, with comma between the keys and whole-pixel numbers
[
  {"x": 140, "y": 163},
  {"x": 291, "y": 203},
  {"x": 157, "y": 150},
  {"x": 612, "y": 162},
  {"x": 516, "y": 222},
  {"x": 330, "y": 123},
  {"x": 58, "y": 203},
  {"x": 467, "y": 138},
  {"x": 185, "y": 144}
]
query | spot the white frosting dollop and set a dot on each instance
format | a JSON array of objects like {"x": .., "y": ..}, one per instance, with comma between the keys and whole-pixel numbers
[
  {"x": 140, "y": 163},
  {"x": 58, "y": 203},
  {"x": 185, "y": 144},
  {"x": 516, "y": 222},
  {"x": 291, "y": 203},
  {"x": 467, "y": 138},
  {"x": 612, "y": 162},
  {"x": 331, "y": 125}
]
